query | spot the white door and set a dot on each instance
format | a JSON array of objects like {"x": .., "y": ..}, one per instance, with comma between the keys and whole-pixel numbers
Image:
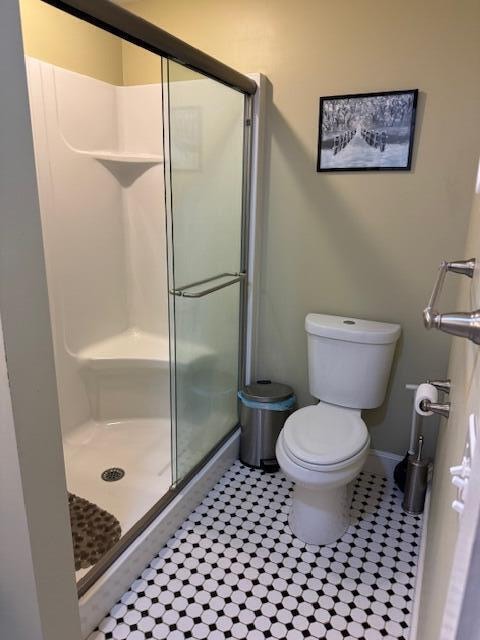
[
  {"x": 461, "y": 615},
  {"x": 443, "y": 608}
]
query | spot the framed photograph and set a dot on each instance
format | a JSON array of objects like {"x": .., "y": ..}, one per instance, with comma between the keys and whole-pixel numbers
[{"x": 367, "y": 131}]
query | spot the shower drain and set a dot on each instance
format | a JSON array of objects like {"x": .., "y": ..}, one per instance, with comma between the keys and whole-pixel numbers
[{"x": 113, "y": 474}]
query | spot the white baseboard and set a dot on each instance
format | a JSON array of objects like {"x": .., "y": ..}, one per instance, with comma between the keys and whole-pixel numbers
[
  {"x": 382, "y": 463},
  {"x": 421, "y": 563},
  {"x": 98, "y": 600}
]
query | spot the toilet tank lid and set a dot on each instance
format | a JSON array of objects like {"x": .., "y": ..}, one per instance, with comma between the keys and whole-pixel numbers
[{"x": 351, "y": 329}]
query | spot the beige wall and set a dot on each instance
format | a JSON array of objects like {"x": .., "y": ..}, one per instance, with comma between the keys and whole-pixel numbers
[
  {"x": 53, "y": 36},
  {"x": 140, "y": 66},
  {"x": 143, "y": 67},
  {"x": 363, "y": 244},
  {"x": 464, "y": 370}
]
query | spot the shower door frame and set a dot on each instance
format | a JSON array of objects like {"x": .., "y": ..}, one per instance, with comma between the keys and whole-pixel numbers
[
  {"x": 126, "y": 25},
  {"x": 243, "y": 268}
]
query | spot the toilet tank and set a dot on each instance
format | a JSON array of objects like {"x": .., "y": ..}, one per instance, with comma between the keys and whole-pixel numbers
[{"x": 349, "y": 360}]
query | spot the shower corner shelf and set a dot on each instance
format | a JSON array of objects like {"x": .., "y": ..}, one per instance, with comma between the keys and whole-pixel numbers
[{"x": 123, "y": 157}]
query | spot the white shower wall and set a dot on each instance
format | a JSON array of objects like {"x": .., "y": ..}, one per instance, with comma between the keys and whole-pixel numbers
[
  {"x": 99, "y": 158},
  {"x": 98, "y": 153},
  {"x": 140, "y": 130}
]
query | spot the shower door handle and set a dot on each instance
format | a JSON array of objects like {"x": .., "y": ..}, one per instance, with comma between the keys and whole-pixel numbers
[{"x": 184, "y": 293}]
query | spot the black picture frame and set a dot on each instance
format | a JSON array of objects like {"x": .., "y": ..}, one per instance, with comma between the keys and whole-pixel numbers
[{"x": 376, "y": 136}]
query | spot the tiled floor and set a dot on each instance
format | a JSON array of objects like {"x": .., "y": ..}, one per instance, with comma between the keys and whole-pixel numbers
[{"x": 234, "y": 570}]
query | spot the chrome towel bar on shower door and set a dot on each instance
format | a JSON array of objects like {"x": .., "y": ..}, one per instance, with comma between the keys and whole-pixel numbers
[
  {"x": 184, "y": 293},
  {"x": 465, "y": 324}
]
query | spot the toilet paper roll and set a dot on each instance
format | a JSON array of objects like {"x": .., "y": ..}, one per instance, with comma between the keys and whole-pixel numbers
[{"x": 425, "y": 392}]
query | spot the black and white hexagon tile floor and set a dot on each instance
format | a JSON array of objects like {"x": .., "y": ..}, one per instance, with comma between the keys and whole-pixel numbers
[{"x": 234, "y": 570}]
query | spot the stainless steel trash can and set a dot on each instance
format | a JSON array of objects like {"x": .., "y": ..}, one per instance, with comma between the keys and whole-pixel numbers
[{"x": 264, "y": 408}]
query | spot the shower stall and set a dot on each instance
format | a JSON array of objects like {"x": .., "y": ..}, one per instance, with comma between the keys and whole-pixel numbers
[{"x": 144, "y": 187}]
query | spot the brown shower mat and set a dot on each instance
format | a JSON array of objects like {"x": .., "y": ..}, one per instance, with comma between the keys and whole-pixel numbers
[{"x": 94, "y": 531}]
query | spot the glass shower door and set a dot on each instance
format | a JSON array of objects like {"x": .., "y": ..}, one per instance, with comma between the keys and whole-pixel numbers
[{"x": 204, "y": 168}]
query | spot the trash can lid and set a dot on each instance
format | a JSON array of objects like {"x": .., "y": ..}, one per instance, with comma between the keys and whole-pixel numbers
[{"x": 267, "y": 391}]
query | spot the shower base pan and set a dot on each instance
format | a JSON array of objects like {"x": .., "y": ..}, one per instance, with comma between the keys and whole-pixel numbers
[{"x": 140, "y": 448}]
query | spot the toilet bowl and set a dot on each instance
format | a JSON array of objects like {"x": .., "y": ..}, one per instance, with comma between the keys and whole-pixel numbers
[{"x": 322, "y": 448}]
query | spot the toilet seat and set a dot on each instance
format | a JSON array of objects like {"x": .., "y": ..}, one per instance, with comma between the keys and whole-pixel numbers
[{"x": 324, "y": 436}]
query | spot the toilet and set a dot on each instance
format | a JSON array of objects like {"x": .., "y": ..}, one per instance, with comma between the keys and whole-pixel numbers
[{"x": 322, "y": 448}]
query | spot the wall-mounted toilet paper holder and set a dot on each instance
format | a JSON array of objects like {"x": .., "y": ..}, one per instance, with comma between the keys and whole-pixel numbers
[
  {"x": 442, "y": 409},
  {"x": 461, "y": 323}
]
